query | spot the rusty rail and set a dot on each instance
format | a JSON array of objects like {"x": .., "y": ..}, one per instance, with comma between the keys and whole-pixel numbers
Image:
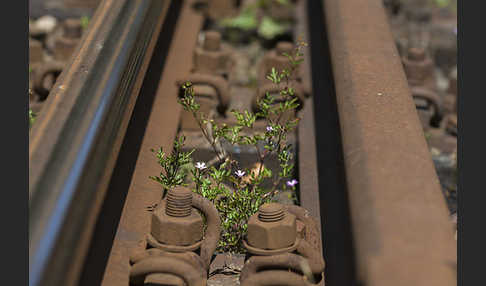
[
  {"x": 399, "y": 218},
  {"x": 140, "y": 191},
  {"x": 75, "y": 141}
]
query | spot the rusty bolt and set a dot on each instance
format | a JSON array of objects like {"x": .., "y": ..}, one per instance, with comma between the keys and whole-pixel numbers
[
  {"x": 416, "y": 54},
  {"x": 176, "y": 222},
  {"x": 272, "y": 228},
  {"x": 418, "y": 67},
  {"x": 421, "y": 14},
  {"x": 212, "y": 41},
  {"x": 73, "y": 28},
  {"x": 212, "y": 57},
  {"x": 270, "y": 213},
  {"x": 275, "y": 59}
]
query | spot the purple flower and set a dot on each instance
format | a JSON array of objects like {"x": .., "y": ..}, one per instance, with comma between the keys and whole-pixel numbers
[
  {"x": 269, "y": 128},
  {"x": 240, "y": 173},
  {"x": 200, "y": 165},
  {"x": 455, "y": 30},
  {"x": 292, "y": 183}
]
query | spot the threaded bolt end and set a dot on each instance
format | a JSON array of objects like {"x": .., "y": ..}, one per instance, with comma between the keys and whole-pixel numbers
[
  {"x": 179, "y": 202},
  {"x": 271, "y": 212}
]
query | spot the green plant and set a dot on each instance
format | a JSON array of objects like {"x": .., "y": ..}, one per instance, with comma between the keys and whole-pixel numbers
[
  {"x": 270, "y": 28},
  {"x": 238, "y": 193},
  {"x": 247, "y": 20},
  {"x": 173, "y": 165},
  {"x": 32, "y": 117},
  {"x": 449, "y": 4},
  {"x": 442, "y": 3},
  {"x": 84, "y": 22}
]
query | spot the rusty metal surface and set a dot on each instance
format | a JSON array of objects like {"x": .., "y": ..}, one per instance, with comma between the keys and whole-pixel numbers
[
  {"x": 50, "y": 68},
  {"x": 302, "y": 32},
  {"x": 166, "y": 268},
  {"x": 264, "y": 264},
  {"x": 143, "y": 192},
  {"x": 275, "y": 58},
  {"x": 175, "y": 222},
  {"x": 272, "y": 228},
  {"x": 402, "y": 235},
  {"x": 276, "y": 278},
  {"x": 169, "y": 262},
  {"x": 63, "y": 8},
  {"x": 306, "y": 258},
  {"x": 91, "y": 4},
  {"x": 211, "y": 56},
  {"x": 308, "y": 183},
  {"x": 74, "y": 143}
]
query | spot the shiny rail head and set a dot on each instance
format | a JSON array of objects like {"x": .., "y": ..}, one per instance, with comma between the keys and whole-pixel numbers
[{"x": 75, "y": 139}]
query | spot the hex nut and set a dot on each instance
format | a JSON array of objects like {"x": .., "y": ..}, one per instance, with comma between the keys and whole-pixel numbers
[
  {"x": 212, "y": 41},
  {"x": 418, "y": 71},
  {"x": 180, "y": 231},
  {"x": 208, "y": 61},
  {"x": 272, "y": 235}
]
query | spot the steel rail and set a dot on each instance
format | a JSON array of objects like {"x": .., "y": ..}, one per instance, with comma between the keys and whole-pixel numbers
[
  {"x": 141, "y": 192},
  {"x": 74, "y": 144},
  {"x": 399, "y": 218}
]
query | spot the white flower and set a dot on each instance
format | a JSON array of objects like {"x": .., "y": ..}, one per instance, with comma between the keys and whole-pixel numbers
[
  {"x": 292, "y": 183},
  {"x": 269, "y": 128},
  {"x": 201, "y": 165},
  {"x": 240, "y": 173}
]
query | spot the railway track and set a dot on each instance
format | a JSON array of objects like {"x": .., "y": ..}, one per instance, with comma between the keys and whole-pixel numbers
[{"x": 365, "y": 175}]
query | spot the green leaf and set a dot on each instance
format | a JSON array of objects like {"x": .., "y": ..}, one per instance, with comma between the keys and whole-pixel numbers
[
  {"x": 269, "y": 28},
  {"x": 246, "y": 20}
]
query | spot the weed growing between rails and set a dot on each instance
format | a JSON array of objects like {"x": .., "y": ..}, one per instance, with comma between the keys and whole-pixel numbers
[{"x": 238, "y": 193}]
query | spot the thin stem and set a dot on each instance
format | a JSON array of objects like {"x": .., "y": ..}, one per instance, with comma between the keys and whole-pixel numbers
[
  {"x": 175, "y": 168},
  {"x": 198, "y": 180},
  {"x": 203, "y": 130}
]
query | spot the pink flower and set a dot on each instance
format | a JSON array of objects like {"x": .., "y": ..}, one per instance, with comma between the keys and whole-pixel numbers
[{"x": 292, "y": 183}]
